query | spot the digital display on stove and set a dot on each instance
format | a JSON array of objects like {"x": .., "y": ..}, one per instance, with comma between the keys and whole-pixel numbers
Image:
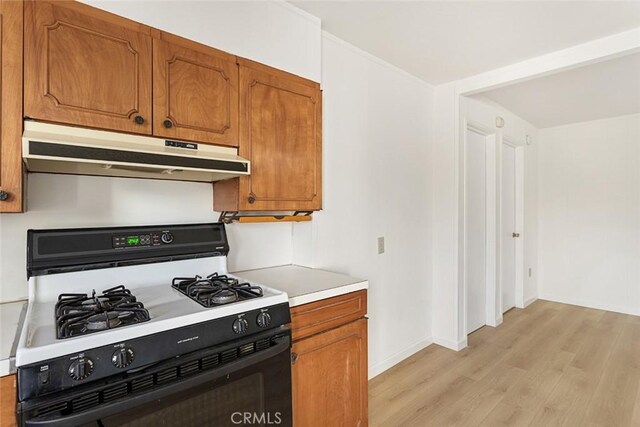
[{"x": 134, "y": 241}]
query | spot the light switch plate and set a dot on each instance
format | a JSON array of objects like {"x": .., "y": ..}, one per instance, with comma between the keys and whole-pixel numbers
[{"x": 380, "y": 245}]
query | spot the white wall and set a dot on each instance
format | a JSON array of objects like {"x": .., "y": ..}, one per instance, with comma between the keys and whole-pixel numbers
[
  {"x": 590, "y": 214},
  {"x": 376, "y": 124},
  {"x": 448, "y": 328},
  {"x": 272, "y": 32}
]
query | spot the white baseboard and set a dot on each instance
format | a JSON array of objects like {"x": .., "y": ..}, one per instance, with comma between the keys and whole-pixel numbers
[
  {"x": 528, "y": 301},
  {"x": 380, "y": 367},
  {"x": 450, "y": 344},
  {"x": 590, "y": 304}
]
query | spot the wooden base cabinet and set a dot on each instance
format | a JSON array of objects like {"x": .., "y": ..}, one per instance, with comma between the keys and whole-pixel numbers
[
  {"x": 8, "y": 401},
  {"x": 329, "y": 362},
  {"x": 329, "y": 378}
]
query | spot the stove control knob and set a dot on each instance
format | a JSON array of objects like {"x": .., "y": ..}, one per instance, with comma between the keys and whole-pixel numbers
[
  {"x": 122, "y": 357},
  {"x": 240, "y": 326},
  {"x": 263, "y": 320},
  {"x": 166, "y": 237},
  {"x": 81, "y": 369}
]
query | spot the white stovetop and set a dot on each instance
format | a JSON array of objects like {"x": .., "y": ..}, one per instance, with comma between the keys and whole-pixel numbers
[
  {"x": 168, "y": 308},
  {"x": 303, "y": 284}
]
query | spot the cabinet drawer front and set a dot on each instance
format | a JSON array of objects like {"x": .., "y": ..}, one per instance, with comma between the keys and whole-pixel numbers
[
  {"x": 329, "y": 377},
  {"x": 86, "y": 67},
  {"x": 195, "y": 92},
  {"x": 319, "y": 316},
  {"x": 281, "y": 133}
]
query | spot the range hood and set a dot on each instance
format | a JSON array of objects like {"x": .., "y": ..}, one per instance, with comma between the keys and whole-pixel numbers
[{"x": 70, "y": 150}]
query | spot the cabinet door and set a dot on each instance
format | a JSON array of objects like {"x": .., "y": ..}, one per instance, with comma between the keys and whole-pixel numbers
[
  {"x": 8, "y": 384},
  {"x": 86, "y": 67},
  {"x": 10, "y": 106},
  {"x": 281, "y": 133},
  {"x": 329, "y": 375},
  {"x": 195, "y": 92}
]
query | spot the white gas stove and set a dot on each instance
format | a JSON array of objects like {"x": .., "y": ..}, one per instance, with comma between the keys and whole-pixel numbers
[
  {"x": 105, "y": 303},
  {"x": 150, "y": 284}
]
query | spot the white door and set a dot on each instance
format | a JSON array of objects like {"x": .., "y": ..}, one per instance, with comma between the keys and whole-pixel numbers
[
  {"x": 508, "y": 241},
  {"x": 475, "y": 230}
]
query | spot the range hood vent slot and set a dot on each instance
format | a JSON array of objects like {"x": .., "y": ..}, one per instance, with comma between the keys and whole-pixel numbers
[{"x": 67, "y": 150}]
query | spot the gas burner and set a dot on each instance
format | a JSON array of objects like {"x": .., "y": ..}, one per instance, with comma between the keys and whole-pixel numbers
[
  {"x": 106, "y": 320},
  {"x": 224, "y": 297},
  {"x": 215, "y": 289},
  {"x": 80, "y": 314}
]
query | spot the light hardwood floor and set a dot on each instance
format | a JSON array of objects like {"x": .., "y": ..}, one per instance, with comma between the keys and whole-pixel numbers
[{"x": 547, "y": 365}]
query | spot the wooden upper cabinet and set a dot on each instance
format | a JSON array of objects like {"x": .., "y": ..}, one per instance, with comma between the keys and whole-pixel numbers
[
  {"x": 281, "y": 133},
  {"x": 10, "y": 106},
  {"x": 329, "y": 377},
  {"x": 195, "y": 92},
  {"x": 87, "y": 67}
]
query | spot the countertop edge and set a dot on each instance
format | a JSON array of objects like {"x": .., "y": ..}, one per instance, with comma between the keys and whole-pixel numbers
[
  {"x": 327, "y": 293},
  {"x": 8, "y": 365}
]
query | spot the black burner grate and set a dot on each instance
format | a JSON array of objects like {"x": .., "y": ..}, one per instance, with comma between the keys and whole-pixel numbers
[
  {"x": 80, "y": 314},
  {"x": 215, "y": 289}
]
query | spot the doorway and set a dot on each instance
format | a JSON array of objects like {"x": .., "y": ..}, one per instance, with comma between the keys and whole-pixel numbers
[
  {"x": 493, "y": 220},
  {"x": 508, "y": 233},
  {"x": 475, "y": 226}
]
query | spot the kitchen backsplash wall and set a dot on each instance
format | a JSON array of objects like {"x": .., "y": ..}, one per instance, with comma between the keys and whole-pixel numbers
[{"x": 58, "y": 201}]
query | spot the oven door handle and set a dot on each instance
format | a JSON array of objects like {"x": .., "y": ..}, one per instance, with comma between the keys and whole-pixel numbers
[{"x": 129, "y": 402}]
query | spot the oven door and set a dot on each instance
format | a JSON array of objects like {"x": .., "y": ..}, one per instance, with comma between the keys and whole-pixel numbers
[{"x": 252, "y": 389}]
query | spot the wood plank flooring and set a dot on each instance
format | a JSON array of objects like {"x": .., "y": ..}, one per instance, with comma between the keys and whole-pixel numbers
[{"x": 550, "y": 364}]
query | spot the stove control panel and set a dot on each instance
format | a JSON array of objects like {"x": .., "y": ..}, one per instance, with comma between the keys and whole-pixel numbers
[
  {"x": 142, "y": 240},
  {"x": 119, "y": 358}
]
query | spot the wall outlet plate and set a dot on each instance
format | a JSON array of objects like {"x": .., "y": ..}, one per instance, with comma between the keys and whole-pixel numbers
[{"x": 380, "y": 245}]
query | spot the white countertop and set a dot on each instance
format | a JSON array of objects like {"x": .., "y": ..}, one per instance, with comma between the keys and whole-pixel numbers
[
  {"x": 9, "y": 319},
  {"x": 302, "y": 284}
]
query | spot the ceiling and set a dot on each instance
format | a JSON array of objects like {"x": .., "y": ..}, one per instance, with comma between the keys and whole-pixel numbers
[
  {"x": 592, "y": 92},
  {"x": 441, "y": 41}
]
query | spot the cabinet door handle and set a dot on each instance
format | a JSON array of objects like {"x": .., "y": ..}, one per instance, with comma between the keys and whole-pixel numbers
[
  {"x": 168, "y": 124},
  {"x": 3, "y": 195},
  {"x": 251, "y": 199},
  {"x": 515, "y": 235},
  {"x": 294, "y": 357},
  {"x": 139, "y": 120}
]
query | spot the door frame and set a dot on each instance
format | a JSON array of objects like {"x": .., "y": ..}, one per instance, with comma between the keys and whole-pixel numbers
[
  {"x": 491, "y": 225},
  {"x": 519, "y": 220}
]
